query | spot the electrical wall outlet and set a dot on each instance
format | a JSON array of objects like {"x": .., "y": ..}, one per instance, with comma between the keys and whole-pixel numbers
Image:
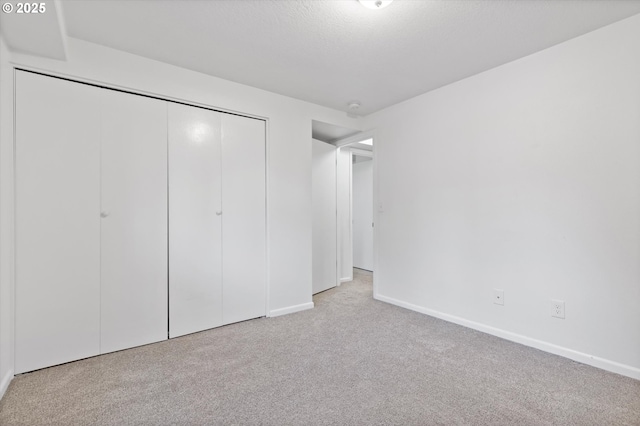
[
  {"x": 498, "y": 296},
  {"x": 557, "y": 308}
]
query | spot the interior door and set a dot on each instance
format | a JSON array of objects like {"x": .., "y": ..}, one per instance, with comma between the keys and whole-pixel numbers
[
  {"x": 323, "y": 189},
  {"x": 243, "y": 218},
  {"x": 195, "y": 220},
  {"x": 57, "y": 222},
  {"x": 134, "y": 294},
  {"x": 362, "y": 178}
]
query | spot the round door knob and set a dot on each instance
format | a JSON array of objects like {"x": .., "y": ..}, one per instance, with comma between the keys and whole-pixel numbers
[
  {"x": 104, "y": 214},
  {"x": 218, "y": 213}
]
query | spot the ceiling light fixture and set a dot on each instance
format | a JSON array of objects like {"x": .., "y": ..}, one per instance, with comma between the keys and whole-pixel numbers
[{"x": 375, "y": 4}]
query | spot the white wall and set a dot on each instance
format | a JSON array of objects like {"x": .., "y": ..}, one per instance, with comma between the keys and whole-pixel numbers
[
  {"x": 324, "y": 238},
  {"x": 288, "y": 157},
  {"x": 525, "y": 178},
  {"x": 362, "y": 204},
  {"x": 6, "y": 220},
  {"x": 345, "y": 254}
]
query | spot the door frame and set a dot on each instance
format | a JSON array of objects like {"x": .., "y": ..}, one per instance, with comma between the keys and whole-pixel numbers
[
  {"x": 345, "y": 143},
  {"x": 362, "y": 153}
]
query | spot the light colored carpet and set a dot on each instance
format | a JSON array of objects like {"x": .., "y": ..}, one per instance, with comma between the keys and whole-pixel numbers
[{"x": 349, "y": 361}]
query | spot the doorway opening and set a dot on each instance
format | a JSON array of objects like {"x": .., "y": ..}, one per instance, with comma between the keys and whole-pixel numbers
[
  {"x": 355, "y": 207},
  {"x": 362, "y": 208},
  {"x": 343, "y": 208}
]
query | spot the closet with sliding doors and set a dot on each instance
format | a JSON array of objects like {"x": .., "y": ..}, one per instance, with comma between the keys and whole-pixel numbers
[{"x": 137, "y": 219}]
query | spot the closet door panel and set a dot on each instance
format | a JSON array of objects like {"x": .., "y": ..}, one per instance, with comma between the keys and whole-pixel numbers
[
  {"x": 57, "y": 222},
  {"x": 243, "y": 218},
  {"x": 195, "y": 234},
  {"x": 134, "y": 294}
]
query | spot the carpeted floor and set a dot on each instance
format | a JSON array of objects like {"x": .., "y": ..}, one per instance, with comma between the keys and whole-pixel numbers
[{"x": 350, "y": 361}]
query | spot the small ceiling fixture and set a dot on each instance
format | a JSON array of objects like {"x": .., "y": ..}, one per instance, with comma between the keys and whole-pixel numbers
[
  {"x": 353, "y": 109},
  {"x": 375, "y": 4}
]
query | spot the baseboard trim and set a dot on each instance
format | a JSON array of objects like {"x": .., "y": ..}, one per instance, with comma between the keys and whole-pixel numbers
[
  {"x": 290, "y": 309},
  {"x": 344, "y": 280},
  {"x": 4, "y": 384},
  {"x": 594, "y": 361}
]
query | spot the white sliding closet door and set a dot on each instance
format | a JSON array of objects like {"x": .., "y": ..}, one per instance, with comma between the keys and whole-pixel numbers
[
  {"x": 243, "y": 218},
  {"x": 57, "y": 222},
  {"x": 98, "y": 230},
  {"x": 195, "y": 220},
  {"x": 134, "y": 221}
]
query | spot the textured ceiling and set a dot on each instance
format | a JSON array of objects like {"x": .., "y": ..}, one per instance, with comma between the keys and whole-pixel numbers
[{"x": 332, "y": 52}]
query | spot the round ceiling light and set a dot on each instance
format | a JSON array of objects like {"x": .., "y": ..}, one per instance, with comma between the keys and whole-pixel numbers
[{"x": 375, "y": 4}]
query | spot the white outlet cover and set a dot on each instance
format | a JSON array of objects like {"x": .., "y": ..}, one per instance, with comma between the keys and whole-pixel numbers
[
  {"x": 498, "y": 296},
  {"x": 557, "y": 308}
]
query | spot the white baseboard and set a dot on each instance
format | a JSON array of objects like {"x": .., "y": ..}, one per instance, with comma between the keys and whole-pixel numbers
[
  {"x": 4, "y": 384},
  {"x": 594, "y": 361},
  {"x": 344, "y": 280},
  {"x": 290, "y": 309}
]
